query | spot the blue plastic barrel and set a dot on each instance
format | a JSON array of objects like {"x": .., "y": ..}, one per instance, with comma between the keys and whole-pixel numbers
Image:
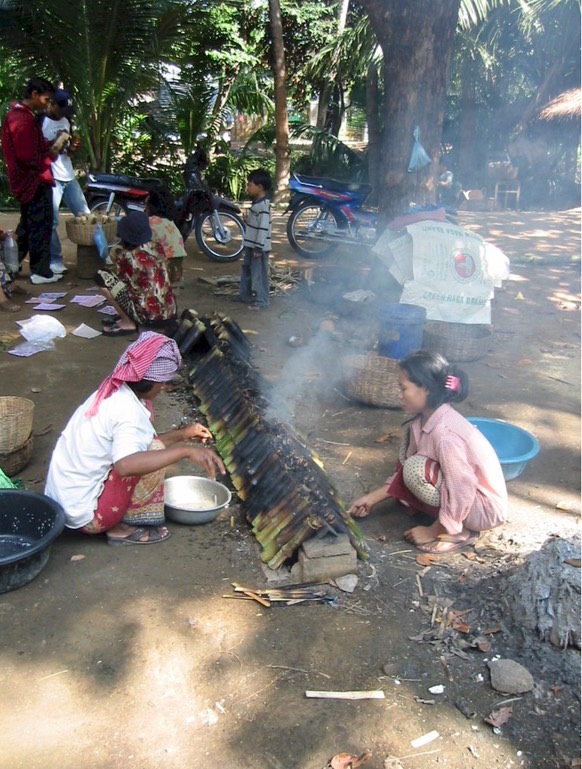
[{"x": 401, "y": 329}]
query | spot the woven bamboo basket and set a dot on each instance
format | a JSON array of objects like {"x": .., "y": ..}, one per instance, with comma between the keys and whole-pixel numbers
[
  {"x": 457, "y": 341},
  {"x": 14, "y": 461},
  {"x": 16, "y": 415},
  {"x": 82, "y": 233},
  {"x": 372, "y": 379}
]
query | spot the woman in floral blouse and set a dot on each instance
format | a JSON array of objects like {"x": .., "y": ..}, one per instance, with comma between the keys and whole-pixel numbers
[
  {"x": 166, "y": 237},
  {"x": 139, "y": 286}
]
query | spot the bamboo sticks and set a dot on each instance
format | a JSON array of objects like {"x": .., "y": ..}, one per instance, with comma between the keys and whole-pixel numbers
[
  {"x": 289, "y": 596},
  {"x": 287, "y": 493}
]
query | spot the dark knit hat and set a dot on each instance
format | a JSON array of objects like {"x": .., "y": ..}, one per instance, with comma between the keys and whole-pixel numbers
[{"x": 134, "y": 228}]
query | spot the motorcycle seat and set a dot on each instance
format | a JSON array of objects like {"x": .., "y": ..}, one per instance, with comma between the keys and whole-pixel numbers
[
  {"x": 129, "y": 181},
  {"x": 334, "y": 184}
]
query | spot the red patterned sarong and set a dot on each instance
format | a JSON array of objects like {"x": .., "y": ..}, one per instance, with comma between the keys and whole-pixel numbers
[{"x": 137, "y": 500}]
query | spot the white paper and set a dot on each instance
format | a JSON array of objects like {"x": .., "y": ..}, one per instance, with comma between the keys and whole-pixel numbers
[
  {"x": 86, "y": 331},
  {"x": 425, "y": 739},
  {"x": 49, "y": 306},
  {"x": 34, "y": 300},
  {"x": 108, "y": 310},
  {"x": 88, "y": 301},
  {"x": 50, "y": 296},
  {"x": 26, "y": 349}
]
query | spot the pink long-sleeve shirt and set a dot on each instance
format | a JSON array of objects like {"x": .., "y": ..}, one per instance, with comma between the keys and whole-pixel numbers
[{"x": 473, "y": 491}]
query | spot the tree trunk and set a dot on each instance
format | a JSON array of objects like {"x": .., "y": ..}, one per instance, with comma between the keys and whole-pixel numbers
[
  {"x": 467, "y": 162},
  {"x": 416, "y": 39},
  {"x": 327, "y": 88},
  {"x": 373, "y": 120},
  {"x": 282, "y": 155}
]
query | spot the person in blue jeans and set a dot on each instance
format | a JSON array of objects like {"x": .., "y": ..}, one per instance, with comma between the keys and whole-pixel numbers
[
  {"x": 67, "y": 188},
  {"x": 254, "y": 279}
]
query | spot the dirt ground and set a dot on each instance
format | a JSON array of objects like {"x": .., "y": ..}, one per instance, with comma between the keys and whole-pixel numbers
[{"x": 131, "y": 657}]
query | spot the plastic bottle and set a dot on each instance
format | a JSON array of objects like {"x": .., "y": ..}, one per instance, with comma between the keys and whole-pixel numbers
[{"x": 11, "y": 253}]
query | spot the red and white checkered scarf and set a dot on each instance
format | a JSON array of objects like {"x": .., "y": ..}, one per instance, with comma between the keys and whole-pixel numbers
[{"x": 152, "y": 356}]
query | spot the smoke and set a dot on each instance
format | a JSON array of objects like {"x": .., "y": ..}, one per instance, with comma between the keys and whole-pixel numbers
[{"x": 313, "y": 370}]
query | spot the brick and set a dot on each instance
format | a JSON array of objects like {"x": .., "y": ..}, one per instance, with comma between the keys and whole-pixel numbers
[
  {"x": 324, "y": 547},
  {"x": 322, "y": 569}
]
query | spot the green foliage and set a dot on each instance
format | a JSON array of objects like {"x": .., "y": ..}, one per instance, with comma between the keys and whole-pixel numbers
[
  {"x": 227, "y": 174},
  {"x": 107, "y": 51},
  {"x": 328, "y": 156}
]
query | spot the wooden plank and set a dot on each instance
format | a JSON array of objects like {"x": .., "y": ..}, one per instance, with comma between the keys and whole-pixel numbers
[{"x": 373, "y": 694}]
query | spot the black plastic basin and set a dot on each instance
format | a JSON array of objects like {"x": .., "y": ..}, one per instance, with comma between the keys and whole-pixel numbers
[{"x": 29, "y": 524}]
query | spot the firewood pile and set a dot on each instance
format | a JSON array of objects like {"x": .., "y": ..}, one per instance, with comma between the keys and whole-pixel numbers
[{"x": 287, "y": 495}]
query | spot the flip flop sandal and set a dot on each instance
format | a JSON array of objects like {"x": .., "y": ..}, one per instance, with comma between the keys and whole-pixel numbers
[
  {"x": 135, "y": 538},
  {"x": 115, "y": 331},
  {"x": 7, "y": 306},
  {"x": 446, "y": 544},
  {"x": 111, "y": 320}
]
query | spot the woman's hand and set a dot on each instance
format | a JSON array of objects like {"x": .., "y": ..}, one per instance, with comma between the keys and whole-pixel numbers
[
  {"x": 208, "y": 460},
  {"x": 361, "y": 506},
  {"x": 197, "y": 432}
]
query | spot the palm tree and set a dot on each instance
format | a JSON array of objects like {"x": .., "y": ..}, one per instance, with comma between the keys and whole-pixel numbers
[{"x": 106, "y": 51}]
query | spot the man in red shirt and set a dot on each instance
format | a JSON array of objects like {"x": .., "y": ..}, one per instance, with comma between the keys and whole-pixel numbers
[{"x": 28, "y": 159}]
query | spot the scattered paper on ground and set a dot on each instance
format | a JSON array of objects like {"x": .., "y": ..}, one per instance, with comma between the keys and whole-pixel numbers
[
  {"x": 51, "y": 296},
  {"x": 49, "y": 306},
  {"x": 86, "y": 331},
  {"x": 88, "y": 301}
]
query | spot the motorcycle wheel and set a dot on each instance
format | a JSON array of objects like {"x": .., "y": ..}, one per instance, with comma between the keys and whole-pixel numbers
[
  {"x": 211, "y": 245},
  {"x": 101, "y": 209},
  {"x": 306, "y": 226}
]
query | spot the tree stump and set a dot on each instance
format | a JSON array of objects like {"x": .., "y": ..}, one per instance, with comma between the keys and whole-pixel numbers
[{"x": 546, "y": 592}]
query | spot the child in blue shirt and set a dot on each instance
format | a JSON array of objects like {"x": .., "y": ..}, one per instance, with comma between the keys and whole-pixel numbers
[{"x": 254, "y": 279}]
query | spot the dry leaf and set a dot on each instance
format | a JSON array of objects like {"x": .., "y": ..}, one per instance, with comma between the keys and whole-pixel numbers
[
  {"x": 426, "y": 559},
  {"x": 499, "y": 717},
  {"x": 349, "y": 760},
  {"x": 573, "y": 562},
  {"x": 519, "y": 295},
  {"x": 491, "y": 630},
  {"x": 385, "y": 437},
  {"x": 461, "y": 626},
  {"x": 556, "y": 689},
  {"x": 381, "y": 538},
  {"x": 35, "y": 390},
  {"x": 483, "y": 645},
  {"x": 77, "y": 557},
  {"x": 470, "y": 555}
]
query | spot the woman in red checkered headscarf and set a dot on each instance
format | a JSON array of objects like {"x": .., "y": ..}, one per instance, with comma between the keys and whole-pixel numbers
[{"x": 107, "y": 469}]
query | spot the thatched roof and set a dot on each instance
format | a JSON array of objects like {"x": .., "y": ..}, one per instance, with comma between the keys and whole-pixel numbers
[{"x": 563, "y": 107}]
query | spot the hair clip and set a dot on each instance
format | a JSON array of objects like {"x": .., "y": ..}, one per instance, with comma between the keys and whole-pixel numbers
[{"x": 453, "y": 383}]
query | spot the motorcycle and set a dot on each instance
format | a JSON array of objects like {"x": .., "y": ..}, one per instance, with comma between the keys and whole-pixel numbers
[
  {"x": 326, "y": 213},
  {"x": 216, "y": 222}
]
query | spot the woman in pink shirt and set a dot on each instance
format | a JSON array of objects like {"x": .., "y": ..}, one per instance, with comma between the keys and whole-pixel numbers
[{"x": 446, "y": 467}]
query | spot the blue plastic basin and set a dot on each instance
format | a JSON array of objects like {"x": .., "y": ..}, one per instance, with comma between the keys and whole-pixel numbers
[{"x": 513, "y": 445}]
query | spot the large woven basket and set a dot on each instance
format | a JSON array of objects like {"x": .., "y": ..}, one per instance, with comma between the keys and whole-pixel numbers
[
  {"x": 13, "y": 462},
  {"x": 16, "y": 415},
  {"x": 372, "y": 379},
  {"x": 457, "y": 341},
  {"x": 82, "y": 233}
]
